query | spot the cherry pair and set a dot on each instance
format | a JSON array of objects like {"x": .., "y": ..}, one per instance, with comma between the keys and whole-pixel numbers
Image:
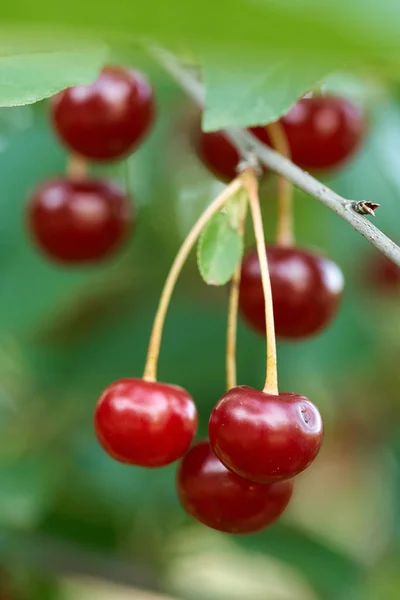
[
  {"x": 77, "y": 220},
  {"x": 322, "y": 132},
  {"x": 241, "y": 482}
]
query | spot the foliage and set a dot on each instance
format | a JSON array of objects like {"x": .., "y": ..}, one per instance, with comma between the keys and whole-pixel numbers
[{"x": 66, "y": 334}]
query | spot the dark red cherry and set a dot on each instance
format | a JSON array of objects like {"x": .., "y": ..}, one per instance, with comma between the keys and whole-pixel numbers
[
  {"x": 218, "y": 154},
  {"x": 144, "y": 423},
  {"x": 383, "y": 275},
  {"x": 79, "y": 221},
  {"x": 107, "y": 119},
  {"x": 323, "y": 131},
  {"x": 222, "y": 500},
  {"x": 306, "y": 291},
  {"x": 263, "y": 437}
]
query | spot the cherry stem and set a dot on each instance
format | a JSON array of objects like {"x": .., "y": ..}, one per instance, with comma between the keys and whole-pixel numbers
[
  {"x": 231, "y": 372},
  {"x": 271, "y": 381},
  {"x": 284, "y": 235},
  {"x": 150, "y": 370},
  {"x": 77, "y": 167}
]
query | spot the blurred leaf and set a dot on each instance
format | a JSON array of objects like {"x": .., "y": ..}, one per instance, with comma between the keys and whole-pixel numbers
[
  {"x": 333, "y": 574},
  {"x": 245, "y": 92},
  {"x": 344, "y": 29},
  {"x": 27, "y": 489},
  {"x": 219, "y": 250},
  {"x": 33, "y": 72}
]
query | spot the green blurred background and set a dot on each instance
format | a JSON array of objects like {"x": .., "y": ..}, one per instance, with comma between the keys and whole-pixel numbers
[{"x": 76, "y": 525}]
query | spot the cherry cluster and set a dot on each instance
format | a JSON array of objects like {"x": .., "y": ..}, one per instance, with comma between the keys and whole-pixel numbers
[
  {"x": 240, "y": 480},
  {"x": 77, "y": 219}
]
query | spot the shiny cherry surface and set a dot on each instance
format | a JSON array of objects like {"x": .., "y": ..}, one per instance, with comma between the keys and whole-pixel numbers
[
  {"x": 224, "y": 501},
  {"x": 322, "y": 131},
  {"x": 306, "y": 291},
  {"x": 107, "y": 119},
  {"x": 148, "y": 424},
  {"x": 263, "y": 437},
  {"x": 217, "y": 154},
  {"x": 80, "y": 221}
]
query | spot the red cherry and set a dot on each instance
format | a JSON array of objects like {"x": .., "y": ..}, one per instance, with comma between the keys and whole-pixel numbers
[
  {"x": 322, "y": 131},
  {"x": 218, "y": 154},
  {"x": 222, "y": 500},
  {"x": 306, "y": 291},
  {"x": 79, "y": 221},
  {"x": 106, "y": 119},
  {"x": 263, "y": 437},
  {"x": 144, "y": 423},
  {"x": 382, "y": 274}
]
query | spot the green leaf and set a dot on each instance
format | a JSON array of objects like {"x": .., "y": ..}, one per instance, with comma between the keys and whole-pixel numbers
[
  {"x": 341, "y": 28},
  {"x": 33, "y": 70},
  {"x": 334, "y": 575},
  {"x": 244, "y": 93},
  {"x": 219, "y": 250}
]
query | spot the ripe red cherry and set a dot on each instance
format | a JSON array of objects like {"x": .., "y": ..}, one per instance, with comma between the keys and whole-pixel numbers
[
  {"x": 322, "y": 131},
  {"x": 144, "y": 423},
  {"x": 79, "y": 221},
  {"x": 218, "y": 154},
  {"x": 306, "y": 291},
  {"x": 106, "y": 119},
  {"x": 382, "y": 274},
  {"x": 222, "y": 500},
  {"x": 263, "y": 437}
]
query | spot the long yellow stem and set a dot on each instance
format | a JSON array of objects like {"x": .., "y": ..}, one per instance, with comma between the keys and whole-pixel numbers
[
  {"x": 284, "y": 235},
  {"x": 271, "y": 380},
  {"x": 231, "y": 372},
  {"x": 150, "y": 371}
]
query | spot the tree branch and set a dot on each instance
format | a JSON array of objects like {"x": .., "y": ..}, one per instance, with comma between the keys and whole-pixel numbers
[{"x": 248, "y": 146}]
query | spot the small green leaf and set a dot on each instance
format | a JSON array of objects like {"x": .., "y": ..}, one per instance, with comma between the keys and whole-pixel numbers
[
  {"x": 244, "y": 93},
  {"x": 219, "y": 250},
  {"x": 35, "y": 70},
  {"x": 234, "y": 208}
]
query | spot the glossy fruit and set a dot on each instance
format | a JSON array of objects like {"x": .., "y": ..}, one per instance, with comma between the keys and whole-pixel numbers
[
  {"x": 383, "y": 275},
  {"x": 107, "y": 119},
  {"x": 143, "y": 423},
  {"x": 263, "y": 437},
  {"x": 323, "y": 131},
  {"x": 218, "y": 154},
  {"x": 306, "y": 291},
  {"x": 222, "y": 500},
  {"x": 79, "y": 221}
]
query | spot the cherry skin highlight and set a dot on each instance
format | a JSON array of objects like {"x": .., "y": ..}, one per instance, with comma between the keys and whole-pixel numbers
[
  {"x": 148, "y": 424},
  {"x": 306, "y": 291},
  {"x": 107, "y": 119},
  {"x": 263, "y": 437},
  {"x": 80, "y": 221},
  {"x": 323, "y": 132},
  {"x": 224, "y": 501}
]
